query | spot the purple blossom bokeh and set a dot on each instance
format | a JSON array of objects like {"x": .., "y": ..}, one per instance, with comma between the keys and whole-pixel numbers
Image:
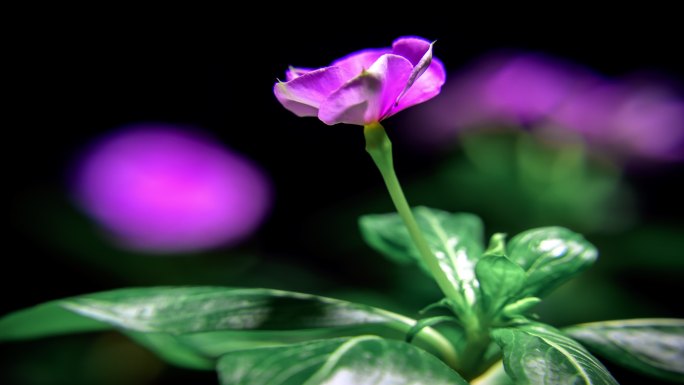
[
  {"x": 643, "y": 119},
  {"x": 162, "y": 189}
]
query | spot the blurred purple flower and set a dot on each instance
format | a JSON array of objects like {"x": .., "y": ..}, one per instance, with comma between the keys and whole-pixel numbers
[
  {"x": 366, "y": 86},
  {"x": 502, "y": 89},
  {"x": 646, "y": 120},
  {"x": 641, "y": 119},
  {"x": 527, "y": 88},
  {"x": 162, "y": 189}
]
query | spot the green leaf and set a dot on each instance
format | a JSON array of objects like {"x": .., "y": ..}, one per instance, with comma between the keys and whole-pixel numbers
[
  {"x": 44, "y": 320},
  {"x": 430, "y": 321},
  {"x": 360, "y": 360},
  {"x": 178, "y": 310},
  {"x": 190, "y": 325},
  {"x": 550, "y": 256},
  {"x": 387, "y": 234},
  {"x": 497, "y": 246},
  {"x": 538, "y": 354},
  {"x": 520, "y": 306},
  {"x": 173, "y": 350},
  {"x": 500, "y": 282},
  {"x": 651, "y": 346},
  {"x": 455, "y": 239}
]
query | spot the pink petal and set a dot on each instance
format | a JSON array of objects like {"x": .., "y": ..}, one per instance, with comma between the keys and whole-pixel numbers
[
  {"x": 412, "y": 48},
  {"x": 295, "y": 72},
  {"x": 418, "y": 70},
  {"x": 368, "y": 97},
  {"x": 426, "y": 87},
  {"x": 354, "y": 64},
  {"x": 304, "y": 94}
]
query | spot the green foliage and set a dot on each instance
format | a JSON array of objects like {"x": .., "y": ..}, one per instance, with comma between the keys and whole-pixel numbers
[
  {"x": 192, "y": 326},
  {"x": 550, "y": 257},
  {"x": 257, "y": 336},
  {"x": 426, "y": 322},
  {"x": 500, "y": 282},
  {"x": 455, "y": 239},
  {"x": 517, "y": 181},
  {"x": 496, "y": 375},
  {"x": 178, "y": 310},
  {"x": 541, "y": 355},
  {"x": 532, "y": 264},
  {"x": 651, "y": 346},
  {"x": 44, "y": 320},
  {"x": 177, "y": 350},
  {"x": 520, "y": 307},
  {"x": 387, "y": 234},
  {"x": 359, "y": 360}
]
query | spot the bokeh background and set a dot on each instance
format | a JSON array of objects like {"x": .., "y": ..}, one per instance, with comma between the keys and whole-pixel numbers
[{"x": 83, "y": 79}]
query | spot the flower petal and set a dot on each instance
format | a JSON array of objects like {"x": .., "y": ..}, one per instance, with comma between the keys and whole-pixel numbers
[
  {"x": 354, "y": 64},
  {"x": 295, "y": 72},
  {"x": 304, "y": 94},
  {"x": 350, "y": 103},
  {"x": 418, "y": 70},
  {"x": 426, "y": 87},
  {"x": 412, "y": 48},
  {"x": 370, "y": 96}
]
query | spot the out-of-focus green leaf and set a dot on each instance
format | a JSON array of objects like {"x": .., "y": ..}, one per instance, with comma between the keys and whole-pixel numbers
[
  {"x": 550, "y": 256},
  {"x": 537, "y": 354},
  {"x": 515, "y": 181},
  {"x": 500, "y": 282},
  {"x": 360, "y": 360},
  {"x": 455, "y": 239},
  {"x": 190, "y": 325},
  {"x": 651, "y": 346}
]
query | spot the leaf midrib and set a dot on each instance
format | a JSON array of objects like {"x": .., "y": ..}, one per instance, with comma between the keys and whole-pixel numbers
[
  {"x": 565, "y": 353},
  {"x": 335, "y": 357}
]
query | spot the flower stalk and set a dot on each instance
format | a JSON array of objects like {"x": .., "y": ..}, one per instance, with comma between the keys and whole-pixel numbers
[{"x": 379, "y": 146}]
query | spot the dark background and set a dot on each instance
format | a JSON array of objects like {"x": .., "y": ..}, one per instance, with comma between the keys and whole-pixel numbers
[{"x": 78, "y": 77}]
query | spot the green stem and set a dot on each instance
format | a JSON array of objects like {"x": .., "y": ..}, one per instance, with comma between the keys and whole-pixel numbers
[
  {"x": 427, "y": 336},
  {"x": 379, "y": 147},
  {"x": 472, "y": 362},
  {"x": 467, "y": 360}
]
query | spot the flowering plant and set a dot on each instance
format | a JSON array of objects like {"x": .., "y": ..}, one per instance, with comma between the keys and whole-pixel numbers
[{"x": 482, "y": 330}]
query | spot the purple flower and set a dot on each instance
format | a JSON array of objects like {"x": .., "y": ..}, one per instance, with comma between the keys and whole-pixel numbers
[
  {"x": 638, "y": 118},
  {"x": 366, "y": 86},
  {"x": 504, "y": 88},
  {"x": 643, "y": 119},
  {"x": 161, "y": 189}
]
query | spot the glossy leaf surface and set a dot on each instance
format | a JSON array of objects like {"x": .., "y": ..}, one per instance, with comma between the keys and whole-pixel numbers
[
  {"x": 538, "y": 354},
  {"x": 359, "y": 360},
  {"x": 550, "y": 256},
  {"x": 651, "y": 346}
]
